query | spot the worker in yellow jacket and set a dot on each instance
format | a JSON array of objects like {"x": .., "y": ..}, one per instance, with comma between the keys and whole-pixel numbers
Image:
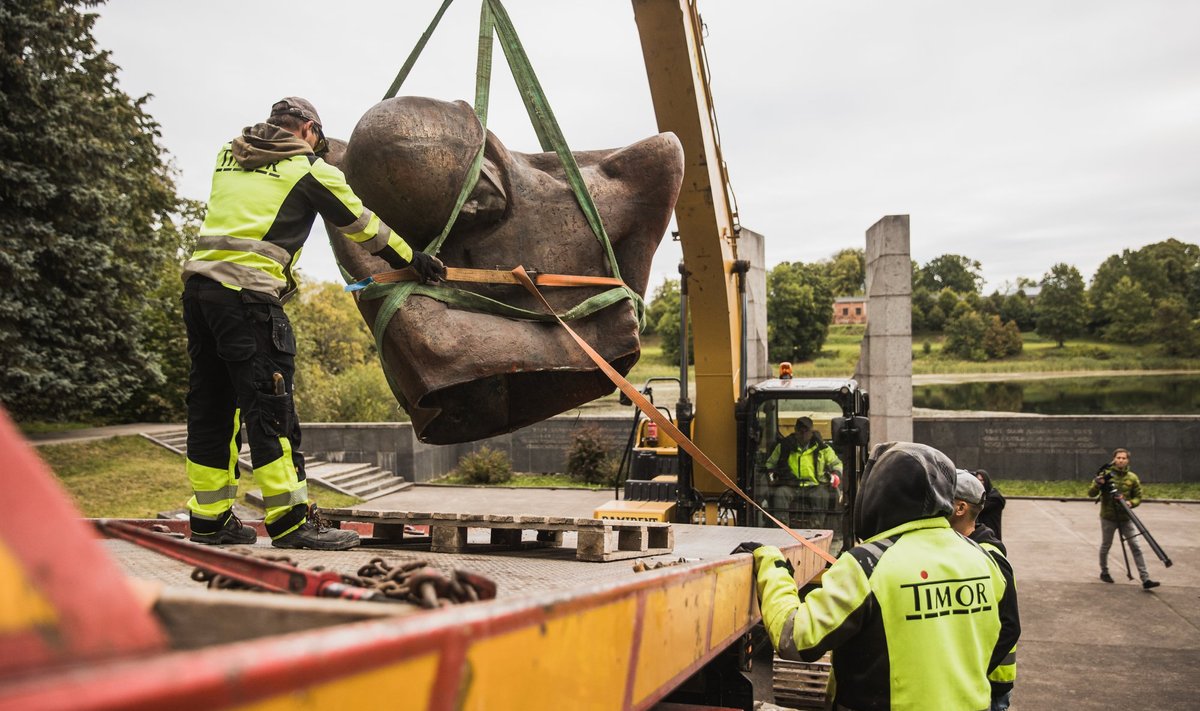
[
  {"x": 803, "y": 473},
  {"x": 268, "y": 186},
  {"x": 910, "y": 614}
]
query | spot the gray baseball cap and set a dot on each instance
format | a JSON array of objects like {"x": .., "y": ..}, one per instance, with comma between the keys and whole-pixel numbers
[
  {"x": 967, "y": 488},
  {"x": 296, "y": 106}
]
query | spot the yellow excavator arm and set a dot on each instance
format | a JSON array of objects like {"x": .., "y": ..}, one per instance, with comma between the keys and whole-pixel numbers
[{"x": 672, "y": 45}]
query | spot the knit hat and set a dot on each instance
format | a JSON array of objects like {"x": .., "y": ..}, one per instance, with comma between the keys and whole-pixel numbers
[{"x": 967, "y": 488}]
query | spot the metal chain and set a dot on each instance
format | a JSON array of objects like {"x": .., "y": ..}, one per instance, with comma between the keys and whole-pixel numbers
[{"x": 414, "y": 582}]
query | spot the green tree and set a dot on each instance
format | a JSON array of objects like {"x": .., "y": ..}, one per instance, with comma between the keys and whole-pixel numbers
[
  {"x": 848, "y": 272},
  {"x": 952, "y": 271},
  {"x": 664, "y": 309},
  {"x": 935, "y": 319},
  {"x": 665, "y": 300},
  {"x": 991, "y": 304},
  {"x": 330, "y": 333},
  {"x": 964, "y": 335},
  {"x": 87, "y": 200},
  {"x": 1162, "y": 269},
  {"x": 799, "y": 309},
  {"x": 948, "y": 300},
  {"x": 338, "y": 376},
  {"x": 922, "y": 303},
  {"x": 1062, "y": 304},
  {"x": 164, "y": 332},
  {"x": 1174, "y": 328},
  {"x": 1130, "y": 311},
  {"x": 1017, "y": 307}
]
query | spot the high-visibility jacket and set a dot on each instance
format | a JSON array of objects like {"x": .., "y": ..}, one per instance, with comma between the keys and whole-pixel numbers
[
  {"x": 911, "y": 617},
  {"x": 810, "y": 465},
  {"x": 259, "y": 216},
  {"x": 1002, "y": 669}
]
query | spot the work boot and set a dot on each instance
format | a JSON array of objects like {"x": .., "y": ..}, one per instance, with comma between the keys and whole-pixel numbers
[
  {"x": 1148, "y": 583},
  {"x": 1106, "y": 577},
  {"x": 232, "y": 532},
  {"x": 315, "y": 535}
]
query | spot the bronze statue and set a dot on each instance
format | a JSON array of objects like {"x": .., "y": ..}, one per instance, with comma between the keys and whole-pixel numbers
[{"x": 463, "y": 374}]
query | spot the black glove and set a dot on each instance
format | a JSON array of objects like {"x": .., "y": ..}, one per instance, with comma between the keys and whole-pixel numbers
[
  {"x": 746, "y": 547},
  {"x": 427, "y": 267}
]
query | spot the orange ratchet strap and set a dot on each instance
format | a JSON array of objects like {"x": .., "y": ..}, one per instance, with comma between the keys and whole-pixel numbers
[
  {"x": 521, "y": 277},
  {"x": 487, "y": 276}
]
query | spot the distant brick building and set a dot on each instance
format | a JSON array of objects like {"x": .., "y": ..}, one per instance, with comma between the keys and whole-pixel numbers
[{"x": 850, "y": 309}]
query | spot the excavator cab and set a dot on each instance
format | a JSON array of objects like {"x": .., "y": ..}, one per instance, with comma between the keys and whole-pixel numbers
[{"x": 816, "y": 493}]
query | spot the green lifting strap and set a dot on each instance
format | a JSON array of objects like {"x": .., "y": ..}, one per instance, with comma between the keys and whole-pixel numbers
[
  {"x": 471, "y": 301},
  {"x": 416, "y": 52},
  {"x": 546, "y": 126},
  {"x": 494, "y": 21}
]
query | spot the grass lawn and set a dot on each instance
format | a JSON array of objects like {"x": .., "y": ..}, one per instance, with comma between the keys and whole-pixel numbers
[
  {"x": 840, "y": 354},
  {"x": 40, "y": 427},
  {"x": 128, "y": 477},
  {"x": 543, "y": 481},
  {"x": 1076, "y": 489}
]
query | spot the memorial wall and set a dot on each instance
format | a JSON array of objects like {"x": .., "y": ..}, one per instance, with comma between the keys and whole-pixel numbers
[{"x": 1165, "y": 448}]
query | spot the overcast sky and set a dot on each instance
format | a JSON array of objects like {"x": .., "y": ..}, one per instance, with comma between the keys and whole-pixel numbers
[{"x": 1018, "y": 133}]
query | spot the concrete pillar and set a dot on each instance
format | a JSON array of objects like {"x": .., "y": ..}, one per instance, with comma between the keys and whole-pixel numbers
[
  {"x": 885, "y": 363},
  {"x": 751, "y": 247}
]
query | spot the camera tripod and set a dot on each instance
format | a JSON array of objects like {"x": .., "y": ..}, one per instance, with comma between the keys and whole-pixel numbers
[{"x": 1110, "y": 490}]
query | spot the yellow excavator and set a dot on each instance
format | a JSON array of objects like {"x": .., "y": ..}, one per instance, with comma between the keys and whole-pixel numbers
[{"x": 736, "y": 423}]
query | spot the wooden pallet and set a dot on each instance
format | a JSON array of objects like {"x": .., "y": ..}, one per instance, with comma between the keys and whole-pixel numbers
[
  {"x": 598, "y": 540},
  {"x": 801, "y": 685}
]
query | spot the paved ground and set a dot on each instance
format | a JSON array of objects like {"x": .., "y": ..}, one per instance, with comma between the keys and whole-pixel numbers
[
  {"x": 1086, "y": 644},
  {"x": 1090, "y": 645}
]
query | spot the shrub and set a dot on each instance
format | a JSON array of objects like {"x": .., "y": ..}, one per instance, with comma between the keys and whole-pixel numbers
[
  {"x": 359, "y": 393},
  {"x": 927, "y": 348},
  {"x": 588, "y": 458},
  {"x": 1001, "y": 339},
  {"x": 964, "y": 336},
  {"x": 485, "y": 466}
]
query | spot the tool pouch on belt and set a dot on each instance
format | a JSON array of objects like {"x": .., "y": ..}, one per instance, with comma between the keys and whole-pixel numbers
[{"x": 277, "y": 343}]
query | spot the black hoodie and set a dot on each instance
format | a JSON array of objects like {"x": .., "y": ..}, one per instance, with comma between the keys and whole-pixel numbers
[{"x": 903, "y": 482}]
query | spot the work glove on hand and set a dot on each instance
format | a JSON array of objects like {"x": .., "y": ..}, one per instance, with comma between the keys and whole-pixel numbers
[
  {"x": 746, "y": 547},
  {"x": 428, "y": 268},
  {"x": 772, "y": 556}
]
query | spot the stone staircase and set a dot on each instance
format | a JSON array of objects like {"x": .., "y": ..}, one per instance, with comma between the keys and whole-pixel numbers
[{"x": 364, "y": 481}]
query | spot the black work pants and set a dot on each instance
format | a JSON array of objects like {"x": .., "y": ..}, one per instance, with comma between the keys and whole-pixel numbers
[{"x": 238, "y": 342}]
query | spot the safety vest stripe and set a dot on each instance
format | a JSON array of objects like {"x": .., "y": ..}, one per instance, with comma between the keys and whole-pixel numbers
[
  {"x": 216, "y": 495},
  {"x": 379, "y": 241},
  {"x": 358, "y": 225},
  {"x": 243, "y": 244},
  {"x": 288, "y": 498},
  {"x": 236, "y": 274},
  {"x": 266, "y": 265}
]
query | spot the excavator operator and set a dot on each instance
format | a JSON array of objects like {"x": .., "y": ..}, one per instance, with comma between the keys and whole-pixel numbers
[{"x": 804, "y": 473}]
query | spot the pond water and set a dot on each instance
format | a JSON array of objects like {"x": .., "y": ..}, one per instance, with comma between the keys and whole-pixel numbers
[{"x": 1121, "y": 395}]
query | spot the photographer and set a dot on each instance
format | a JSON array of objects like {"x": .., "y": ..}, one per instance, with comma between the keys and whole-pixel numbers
[{"x": 1114, "y": 482}]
